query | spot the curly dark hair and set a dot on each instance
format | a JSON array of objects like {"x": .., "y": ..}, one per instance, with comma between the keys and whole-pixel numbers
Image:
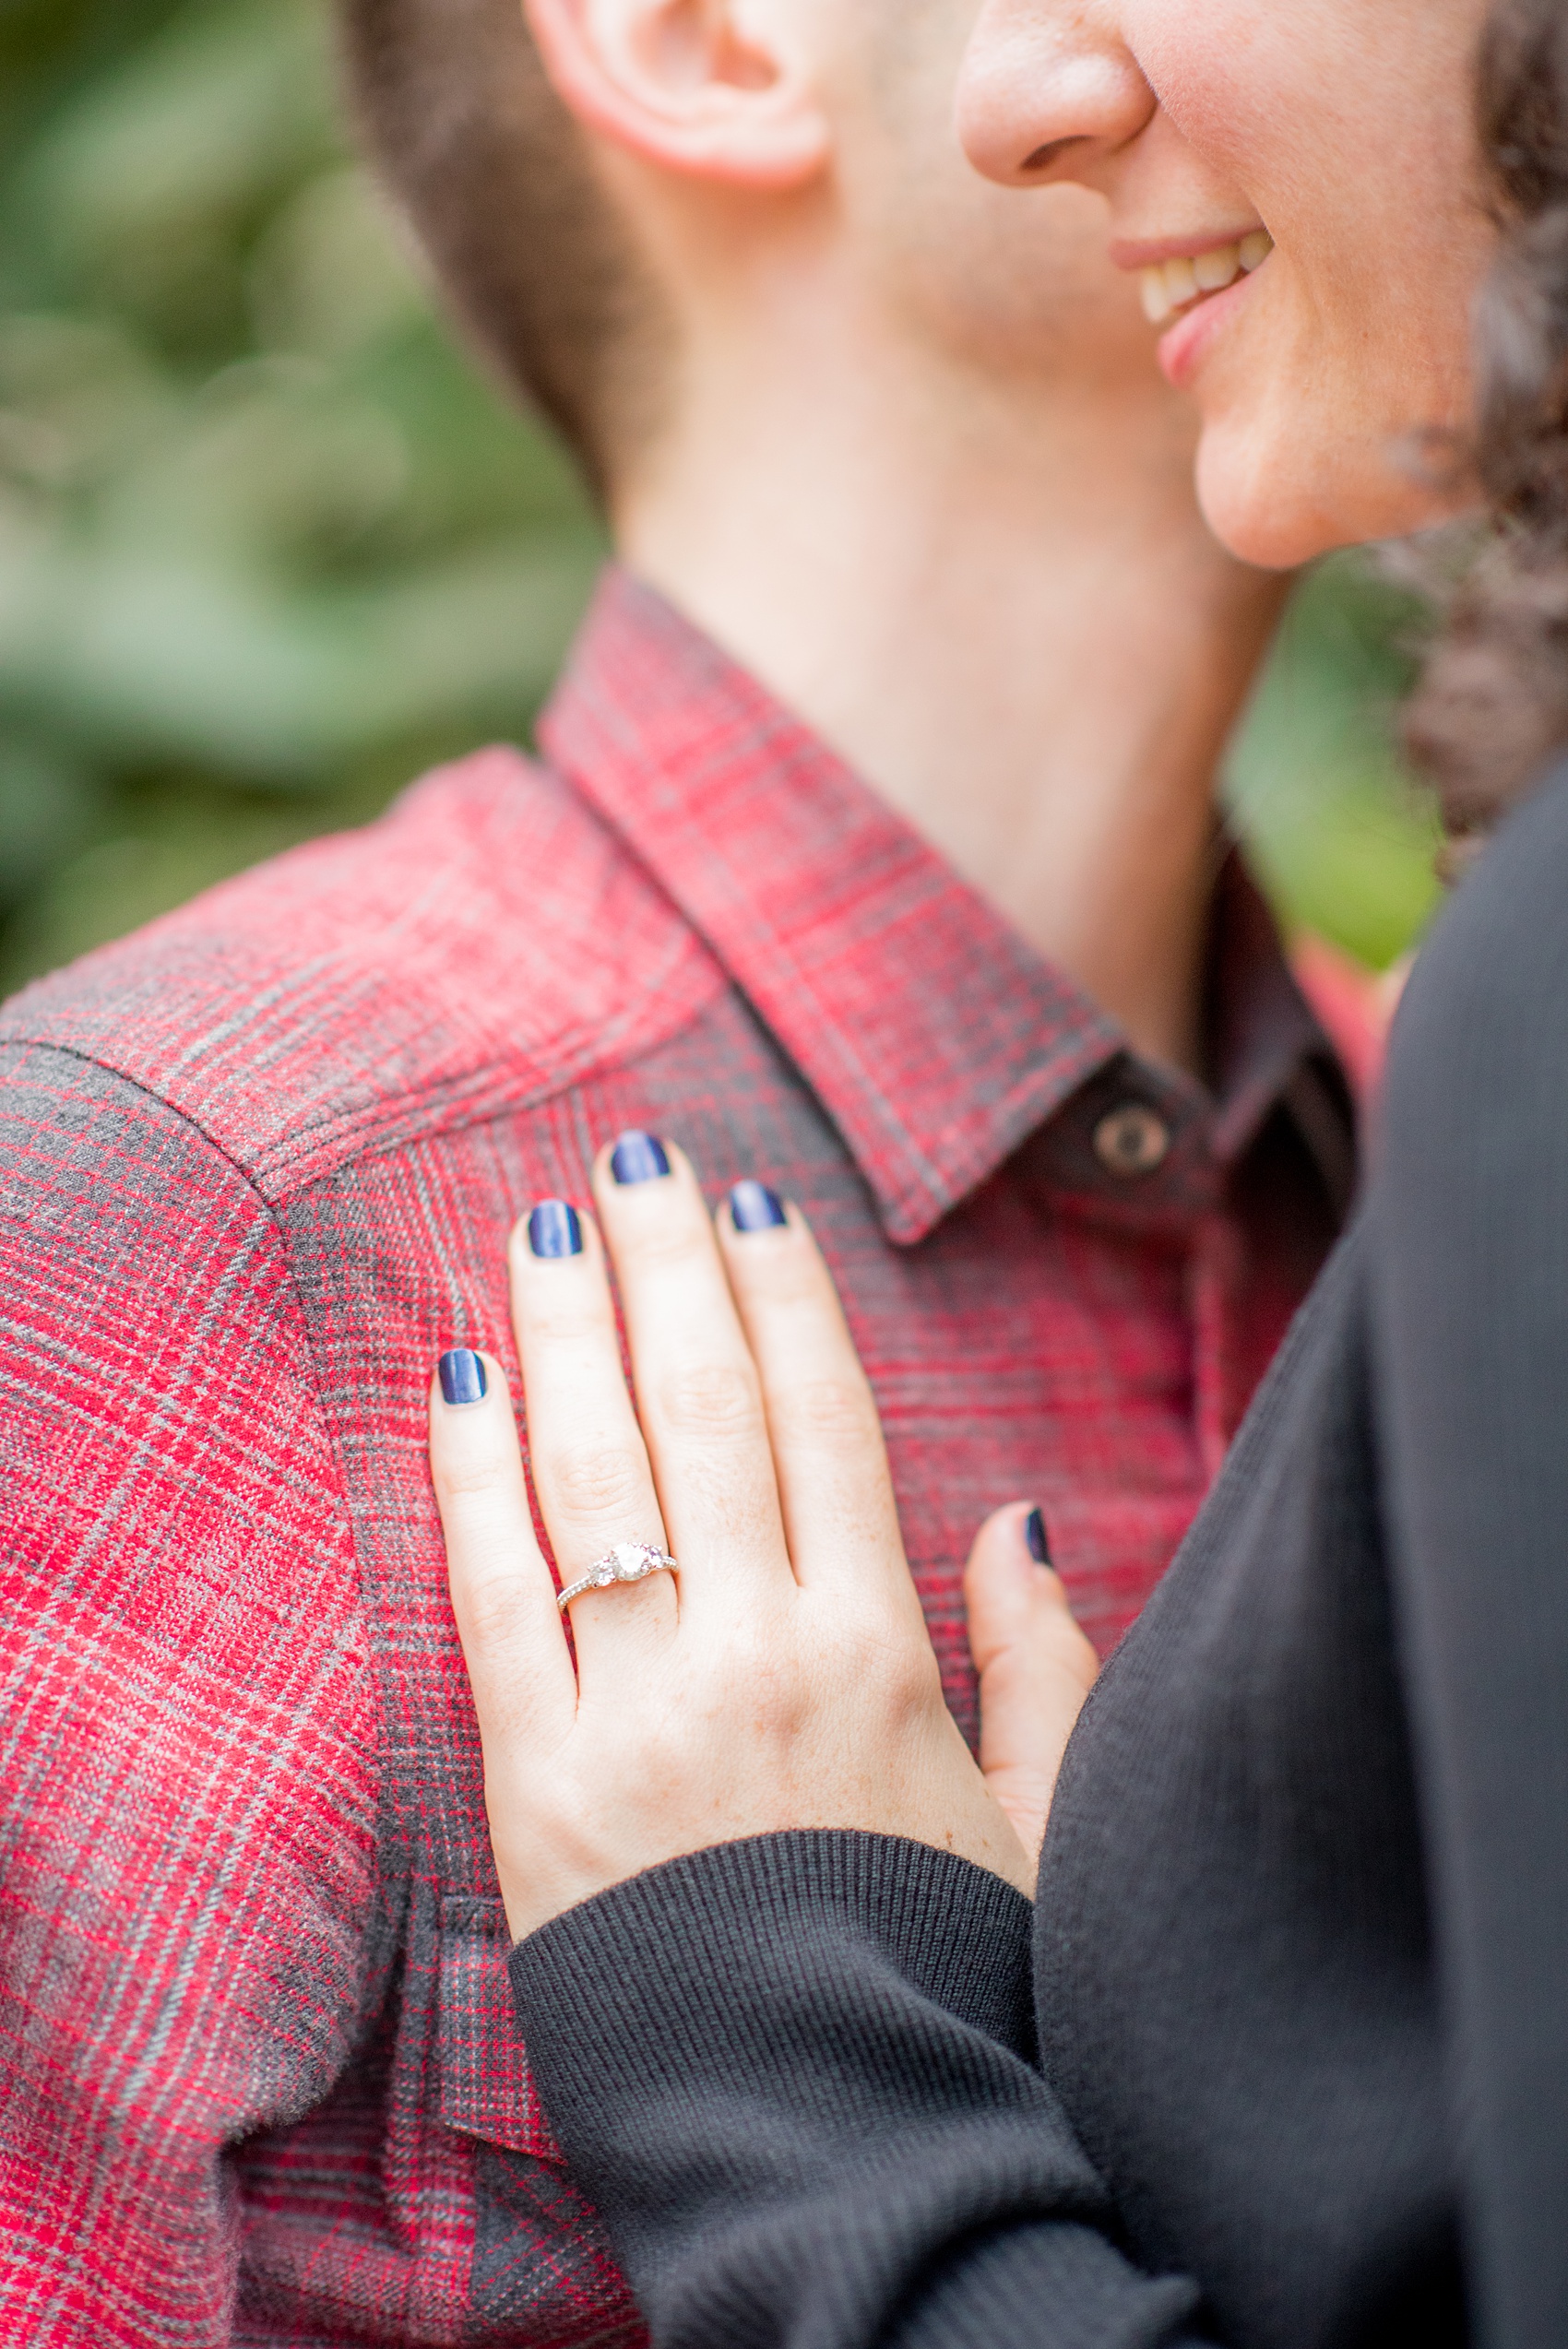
[{"x": 1494, "y": 699}]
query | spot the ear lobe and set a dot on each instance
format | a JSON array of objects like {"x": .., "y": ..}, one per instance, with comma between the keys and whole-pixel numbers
[{"x": 716, "y": 90}]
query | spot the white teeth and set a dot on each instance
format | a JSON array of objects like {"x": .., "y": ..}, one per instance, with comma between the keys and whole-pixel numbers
[
  {"x": 1181, "y": 283},
  {"x": 1216, "y": 270},
  {"x": 1170, "y": 286}
]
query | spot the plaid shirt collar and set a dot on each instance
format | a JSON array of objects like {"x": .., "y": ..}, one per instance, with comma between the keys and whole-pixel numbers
[{"x": 934, "y": 1036}]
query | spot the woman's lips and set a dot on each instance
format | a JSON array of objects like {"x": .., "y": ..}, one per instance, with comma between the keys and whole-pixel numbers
[
  {"x": 1198, "y": 284},
  {"x": 1177, "y": 282},
  {"x": 1181, "y": 349}
]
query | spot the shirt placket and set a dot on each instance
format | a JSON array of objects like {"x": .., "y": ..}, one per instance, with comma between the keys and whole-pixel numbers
[{"x": 1133, "y": 1149}]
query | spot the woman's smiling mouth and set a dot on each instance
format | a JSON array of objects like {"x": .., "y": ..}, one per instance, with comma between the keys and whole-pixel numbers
[{"x": 1170, "y": 287}]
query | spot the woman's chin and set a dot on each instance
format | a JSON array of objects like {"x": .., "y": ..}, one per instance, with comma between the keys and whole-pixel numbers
[
  {"x": 1256, "y": 509},
  {"x": 1279, "y": 498}
]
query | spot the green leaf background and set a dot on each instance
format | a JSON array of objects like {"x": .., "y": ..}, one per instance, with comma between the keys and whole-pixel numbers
[{"x": 270, "y": 544}]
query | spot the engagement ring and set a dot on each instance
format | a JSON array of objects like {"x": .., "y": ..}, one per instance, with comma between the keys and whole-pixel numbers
[{"x": 629, "y": 1562}]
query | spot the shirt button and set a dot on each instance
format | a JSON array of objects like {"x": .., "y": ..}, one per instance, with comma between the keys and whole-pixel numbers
[{"x": 1132, "y": 1140}]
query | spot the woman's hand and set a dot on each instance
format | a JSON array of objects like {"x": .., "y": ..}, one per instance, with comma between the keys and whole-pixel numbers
[{"x": 784, "y": 1678}]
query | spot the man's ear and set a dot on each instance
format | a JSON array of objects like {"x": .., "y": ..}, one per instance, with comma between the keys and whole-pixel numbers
[{"x": 718, "y": 89}]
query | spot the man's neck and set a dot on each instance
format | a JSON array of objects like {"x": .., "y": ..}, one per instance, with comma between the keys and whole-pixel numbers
[{"x": 1013, "y": 626}]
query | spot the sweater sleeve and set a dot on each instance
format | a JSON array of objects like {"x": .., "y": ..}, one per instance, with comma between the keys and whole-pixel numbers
[
  {"x": 1472, "y": 1246},
  {"x": 796, "y": 2074},
  {"x": 187, "y": 1783}
]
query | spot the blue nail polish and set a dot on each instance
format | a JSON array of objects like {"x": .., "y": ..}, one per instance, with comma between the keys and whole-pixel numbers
[
  {"x": 753, "y": 1207},
  {"x": 462, "y": 1377},
  {"x": 554, "y": 1230},
  {"x": 639, "y": 1157},
  {"x": 1038, "y": 1538}
]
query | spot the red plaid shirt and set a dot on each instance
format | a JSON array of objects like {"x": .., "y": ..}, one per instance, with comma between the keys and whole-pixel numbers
[{"x": 260, "y": 2082}]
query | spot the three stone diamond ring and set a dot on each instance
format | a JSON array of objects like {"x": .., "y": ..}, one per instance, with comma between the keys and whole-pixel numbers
[{"x": 629, "y": 1562}]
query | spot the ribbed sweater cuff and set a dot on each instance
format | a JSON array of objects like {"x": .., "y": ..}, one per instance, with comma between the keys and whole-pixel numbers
[{"x": 648, "y": 1954}]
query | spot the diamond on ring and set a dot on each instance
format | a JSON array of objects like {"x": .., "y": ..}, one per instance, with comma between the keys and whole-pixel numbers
[{"x": 629, "y": 1562}]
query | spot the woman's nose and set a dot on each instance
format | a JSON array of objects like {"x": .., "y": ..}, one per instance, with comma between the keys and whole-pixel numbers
[{"x": 1050, "y": 92}]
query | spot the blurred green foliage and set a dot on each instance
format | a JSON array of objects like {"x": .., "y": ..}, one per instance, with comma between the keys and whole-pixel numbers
[
  {"x": 1335, "y": 825},
  {"x": 268, "y": 543}
]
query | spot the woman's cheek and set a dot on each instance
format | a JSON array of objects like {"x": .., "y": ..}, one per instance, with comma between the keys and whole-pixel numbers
[{"x": 1242, "y": 97}]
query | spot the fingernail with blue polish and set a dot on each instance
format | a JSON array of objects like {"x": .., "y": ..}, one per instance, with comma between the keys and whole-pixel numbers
[
  {"x": 1038, "y": 1538},
  {"x": 639, "y": 1157},
  {"x": 554, "y": 1230},
  {"x": 462, "y": 1377},
  {"x": 753, "y": 1207}
]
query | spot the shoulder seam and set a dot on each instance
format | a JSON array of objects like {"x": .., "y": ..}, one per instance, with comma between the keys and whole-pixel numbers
[
  {"x": 462, "y": 1108},
  {"x": 372, "y": 1149}
]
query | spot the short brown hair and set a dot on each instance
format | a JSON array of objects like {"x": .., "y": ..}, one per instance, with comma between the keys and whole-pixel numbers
[{"x": 493, "y": 172}]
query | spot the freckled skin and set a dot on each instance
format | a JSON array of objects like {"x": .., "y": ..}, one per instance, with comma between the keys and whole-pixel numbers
[{"x": 1342, "y": 128}]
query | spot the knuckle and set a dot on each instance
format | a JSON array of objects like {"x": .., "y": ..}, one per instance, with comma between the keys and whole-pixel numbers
[
  {"x": 710, "y": 1399},
  {"x": 566, "y": 1316},
  {"x": 1062, "y": 1636},
  {"x": 491, "y": 1610},
  {"x": 600, "y": 1480},
  {"x": 906, "y": 1672},
  {"x": 902, "y": 1671},
  {"x": 883, "y": 1662},
  {"x": 473, "y": 1476},
  {"x": 835, "y": 1410}
]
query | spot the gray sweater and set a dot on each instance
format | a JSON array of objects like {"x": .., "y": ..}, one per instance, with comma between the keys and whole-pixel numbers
[{"x": 1280, "y": 2056}]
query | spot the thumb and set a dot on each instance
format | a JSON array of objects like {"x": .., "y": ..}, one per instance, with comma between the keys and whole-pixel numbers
[{"x": 1035, "y": 1666}]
